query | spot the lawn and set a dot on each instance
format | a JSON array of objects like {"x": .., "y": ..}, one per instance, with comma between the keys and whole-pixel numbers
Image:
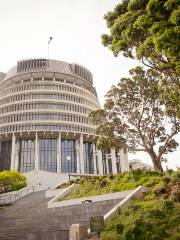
[{"x": 92, "y": 186}]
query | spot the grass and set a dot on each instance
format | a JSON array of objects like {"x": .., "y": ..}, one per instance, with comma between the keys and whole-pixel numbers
[
  {"x": 92, "y": 186},
  {"x": 64, "y": 185},
  {"x": 156, "y": 217}
]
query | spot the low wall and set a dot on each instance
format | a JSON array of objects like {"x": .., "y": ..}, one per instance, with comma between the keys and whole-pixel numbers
[
  {"x": 55, "y": 202},
  {"x": 99, "y": 198},
  {"x": 125, "y": 203},
  {"x": 10, "y": 197},
  {"x": 53, "y": 192}
]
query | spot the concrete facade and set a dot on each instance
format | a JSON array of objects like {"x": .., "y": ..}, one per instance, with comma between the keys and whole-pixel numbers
[{"x": 44, "y": 111}]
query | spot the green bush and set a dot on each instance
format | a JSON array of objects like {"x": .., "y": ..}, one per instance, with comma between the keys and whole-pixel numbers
[
  {"x": 110, "y": 236},
  {"x": 152, "y": 218},
  {"x": 11, "y": 181},
  {"x": 120, "y": 182},
  {"x": 119, "y": 228},
  {"x": 176, "y": 236}
]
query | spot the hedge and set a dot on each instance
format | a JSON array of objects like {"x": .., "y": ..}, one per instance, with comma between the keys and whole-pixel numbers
[{"x": 11, "y": 181}]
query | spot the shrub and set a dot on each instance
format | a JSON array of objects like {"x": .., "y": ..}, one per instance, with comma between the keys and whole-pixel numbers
[
  {"x": 103, "y": 183},
  {"x": 11, "y": 181},
  {"x": 175, "y": 191},
  {"x": 176, "y": 236},
  {"x": 166, "y": 179},
  {"x": 159, "y": 190},
  {"x": 110, "y": 236},
  {"x": 119, "y": 228},
  {"x": 168, "y": 205},
  {"x": 111, "y": 176}
]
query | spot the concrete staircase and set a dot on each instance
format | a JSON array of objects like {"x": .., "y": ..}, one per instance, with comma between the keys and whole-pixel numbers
[{"x": 30, "y": 219}]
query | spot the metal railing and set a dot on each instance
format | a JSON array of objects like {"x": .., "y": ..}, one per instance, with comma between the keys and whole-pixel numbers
[{"x": 8, "y": 198}]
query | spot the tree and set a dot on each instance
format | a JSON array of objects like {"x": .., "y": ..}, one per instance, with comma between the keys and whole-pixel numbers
[
  {"x": 134, "y": 117},
  {"x": 149, "y": 30}
]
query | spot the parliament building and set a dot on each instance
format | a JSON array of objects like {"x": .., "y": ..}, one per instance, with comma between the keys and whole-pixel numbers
[{"x": 44, "y": 122}]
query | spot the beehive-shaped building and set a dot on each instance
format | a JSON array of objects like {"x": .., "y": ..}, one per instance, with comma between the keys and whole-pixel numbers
[{"x": 44, "y": 119}]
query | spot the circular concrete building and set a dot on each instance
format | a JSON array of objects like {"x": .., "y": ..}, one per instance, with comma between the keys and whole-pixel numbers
[{"x": 44, "y": 123}]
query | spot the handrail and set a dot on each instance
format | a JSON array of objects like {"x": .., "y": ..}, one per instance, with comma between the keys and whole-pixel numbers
[{"x": 10, "y": 197}]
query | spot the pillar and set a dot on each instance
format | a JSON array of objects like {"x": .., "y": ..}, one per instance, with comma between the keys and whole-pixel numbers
[
  {"x": 100, "y": 163},
  {"x": 113, "y": 160},
  {"x": 78, "y": 156},
  {"x": 59, "y": 153},
  {"x": 36, "y": 153},
  {"x": 81, "y": 155},
  {"x": 107, "y": 165},
  {"x": 13, "y": 152},
  {"x": 126, "y": 159},
  {"x": 16, "y": 155},
  {"x": 94, "y": 158},
  {"x": 122, "y": 160}
]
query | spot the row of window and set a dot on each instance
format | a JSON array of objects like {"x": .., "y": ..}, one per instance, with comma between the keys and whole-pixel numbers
[
  {"x": 42, "y": 85},
  {"x": 48, "y": 127},
  {"x": 60, "y": 84},
  {"x": 56, "y": 96},
  {"x": 82, "y": 72},
  {"x": 47, "y": 156},
  {"x": 21, "y": 117},
  {"x": 55, "y": 106}
]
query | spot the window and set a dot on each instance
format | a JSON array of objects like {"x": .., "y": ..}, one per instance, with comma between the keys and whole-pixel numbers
[
  {"x": 5, "y": 155},
  {"x": 88, "y": 157},
  {"x": 68, "y": 156},
  {"x": 26, "y": 155},
  {"x": 48, "y": 155}
]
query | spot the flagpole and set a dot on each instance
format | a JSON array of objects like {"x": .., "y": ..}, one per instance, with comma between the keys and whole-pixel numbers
[{"x": 49, "y": 41}]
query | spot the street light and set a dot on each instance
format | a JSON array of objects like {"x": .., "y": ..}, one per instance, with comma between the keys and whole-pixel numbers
[{"x": 68, "y": 158}]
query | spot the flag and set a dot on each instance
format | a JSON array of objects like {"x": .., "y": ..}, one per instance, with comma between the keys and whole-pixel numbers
[{"x": 50, "y": 39}]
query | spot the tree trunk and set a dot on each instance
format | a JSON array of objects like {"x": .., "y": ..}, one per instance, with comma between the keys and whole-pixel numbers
[{"x": 156, "y": 161}]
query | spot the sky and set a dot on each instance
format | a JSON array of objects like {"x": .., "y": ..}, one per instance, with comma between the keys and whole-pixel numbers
[{"x": 76, "y": 27}]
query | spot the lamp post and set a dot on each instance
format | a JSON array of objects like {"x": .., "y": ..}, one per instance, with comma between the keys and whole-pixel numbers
[{"x": 68, "y": 158}]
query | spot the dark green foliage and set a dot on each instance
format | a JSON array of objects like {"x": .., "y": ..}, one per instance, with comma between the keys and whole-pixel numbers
[
  {"x": 91, "y": 186},
  {"x": 150, "y": 27},
  {"x": 152, "y": 218},
  {"x": 103, "y": 183},
  {"x": 175, "y": 236},
  {"x": 168, "y": 205},
  {"x": 119, "y": 228},
  {"x": 133, "y": 117},
  {"x": 149, "y": 30},
  {"x": 157, "y": 219},
  {"x": 11, "y": 181}
]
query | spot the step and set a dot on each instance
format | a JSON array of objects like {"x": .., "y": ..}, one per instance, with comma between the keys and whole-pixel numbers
[{"x": 30, "y": 219}]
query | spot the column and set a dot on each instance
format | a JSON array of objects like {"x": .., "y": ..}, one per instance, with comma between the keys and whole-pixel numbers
[
  {"x": 94, "y": 158},
  {"x": 81, "y": 155},
  {"x": 107, "y": 165},
  {"x": 122, "y": 160},
  {"x": 16, "y": 155},
  {"x": 59, "y": 153},
  {"x": 78, "y": 156},
  {"x": 36, "y": 153},
  {"x": 113, "y": 160},
  {"x": 100, "y": 163},
  {"x": 126, "y": 160},
  {"x": 13, "y": 152}
]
